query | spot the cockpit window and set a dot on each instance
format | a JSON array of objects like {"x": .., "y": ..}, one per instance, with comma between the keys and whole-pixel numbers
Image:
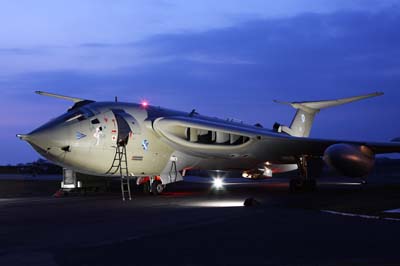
[
  {"x": 95, "y": 121},
  {"x": 87, "y": 113},
  {"x": 79, "y": 114}
]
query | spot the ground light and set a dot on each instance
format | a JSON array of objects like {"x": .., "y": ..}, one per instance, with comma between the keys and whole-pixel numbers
[{"x": 218, "y": 183}]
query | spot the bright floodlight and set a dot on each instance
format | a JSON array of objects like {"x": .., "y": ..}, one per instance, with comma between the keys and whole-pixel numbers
[
  {"x": 218, "y": 183},
  {"x": 268, "y": 172}
]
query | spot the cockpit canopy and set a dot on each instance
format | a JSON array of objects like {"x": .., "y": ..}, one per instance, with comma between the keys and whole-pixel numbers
[
  {"x": 79, "y": 114},
  {"x": 73, "y": 115}
]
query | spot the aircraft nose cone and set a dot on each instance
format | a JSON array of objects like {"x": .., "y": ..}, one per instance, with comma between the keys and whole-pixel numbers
[
  {"x": 49, "y": 141},
  {"x": 23, "y": 136}
]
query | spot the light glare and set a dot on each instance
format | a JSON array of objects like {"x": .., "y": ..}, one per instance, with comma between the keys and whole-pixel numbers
[
  {"x": 144, "y": 103},
  {"x": 218, "y": 183},
  {"x": 221, "y": 204}
]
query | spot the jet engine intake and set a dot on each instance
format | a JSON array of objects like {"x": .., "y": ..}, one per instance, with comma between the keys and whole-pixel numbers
[{"x": 350, "y": 160}]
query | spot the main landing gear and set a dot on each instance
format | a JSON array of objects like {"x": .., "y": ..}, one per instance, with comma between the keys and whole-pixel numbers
[
  {"x": 152, "y": 185},
  {"x": 157, "y": 187},
  {"x": 306, "y": 181}
]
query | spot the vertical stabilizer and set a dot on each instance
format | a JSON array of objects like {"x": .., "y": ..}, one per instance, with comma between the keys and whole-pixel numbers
[{"x": 306, "y": 111}]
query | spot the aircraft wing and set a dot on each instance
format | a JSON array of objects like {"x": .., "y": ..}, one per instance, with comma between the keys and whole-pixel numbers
[
  {"x": 68, "y": 98},
  {"x": 78, "y": 102},
  {"x": 220, "y": 138}
]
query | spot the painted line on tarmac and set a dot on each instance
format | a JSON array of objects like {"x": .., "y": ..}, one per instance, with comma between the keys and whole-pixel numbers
[
  {"x": 360, "y": 215},
  {"x": 342, "y": 183},
  {"x": 393, "y": 211},
  {"x": 4, "y": 201}
]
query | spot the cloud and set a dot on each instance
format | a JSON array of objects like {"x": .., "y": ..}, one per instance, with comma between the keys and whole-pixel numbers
[
  {"x": 314, "y": 48},
  {"x": 337, "y": 52},
  {"x": 238, "y": 70},
  {"x": 48, "y": 22},
  {"x": 19, "y": 51}
]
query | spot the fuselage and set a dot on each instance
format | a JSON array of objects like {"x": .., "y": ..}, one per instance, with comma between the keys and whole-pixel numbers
[
  {"x": 94, "y": 137},
  {"x": 85, "y": 139}
]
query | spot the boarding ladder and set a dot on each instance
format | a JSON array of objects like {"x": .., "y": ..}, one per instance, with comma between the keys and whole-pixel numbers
[{"x": 120, "y": 162}]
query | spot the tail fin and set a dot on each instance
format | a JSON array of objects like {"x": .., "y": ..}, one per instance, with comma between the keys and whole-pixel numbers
[{"x": 306, "y": 111}]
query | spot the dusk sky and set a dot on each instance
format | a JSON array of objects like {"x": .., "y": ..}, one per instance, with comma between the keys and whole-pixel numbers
[{"x": 223, "y": 58}]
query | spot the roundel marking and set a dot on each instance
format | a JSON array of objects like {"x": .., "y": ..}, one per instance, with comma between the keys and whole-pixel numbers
[{"x": 303, "y": 118}]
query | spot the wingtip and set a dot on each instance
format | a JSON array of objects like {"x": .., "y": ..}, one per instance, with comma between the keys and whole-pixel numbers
[{"x": 281, "y": 102}]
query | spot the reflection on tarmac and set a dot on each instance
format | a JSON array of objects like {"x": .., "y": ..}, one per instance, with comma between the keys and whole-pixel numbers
[{"x": 193, "y": 225}]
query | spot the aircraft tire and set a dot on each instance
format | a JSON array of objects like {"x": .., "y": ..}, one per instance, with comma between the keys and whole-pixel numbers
[{"x": 157, "y": 187}]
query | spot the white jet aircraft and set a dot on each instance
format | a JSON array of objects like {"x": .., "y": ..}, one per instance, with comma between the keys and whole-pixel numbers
[{"x": 157, "y": 145}]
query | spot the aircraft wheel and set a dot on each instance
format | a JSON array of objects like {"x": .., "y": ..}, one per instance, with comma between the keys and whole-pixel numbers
[{"x": 157, "y": 187}]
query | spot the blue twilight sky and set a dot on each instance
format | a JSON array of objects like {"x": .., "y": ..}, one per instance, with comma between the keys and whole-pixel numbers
[{"x": 225, "y": 58}]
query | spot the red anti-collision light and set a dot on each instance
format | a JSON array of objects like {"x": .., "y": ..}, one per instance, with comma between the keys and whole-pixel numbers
[{"x": 144, "y": 103}]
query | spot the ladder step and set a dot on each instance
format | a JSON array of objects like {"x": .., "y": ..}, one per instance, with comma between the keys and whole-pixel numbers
[{"x": 120, "y": 163}]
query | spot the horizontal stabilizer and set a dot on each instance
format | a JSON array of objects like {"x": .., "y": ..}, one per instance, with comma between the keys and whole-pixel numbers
[
  {"x": 318, "y": 105},
  {"x": 306, "y": 111}
]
